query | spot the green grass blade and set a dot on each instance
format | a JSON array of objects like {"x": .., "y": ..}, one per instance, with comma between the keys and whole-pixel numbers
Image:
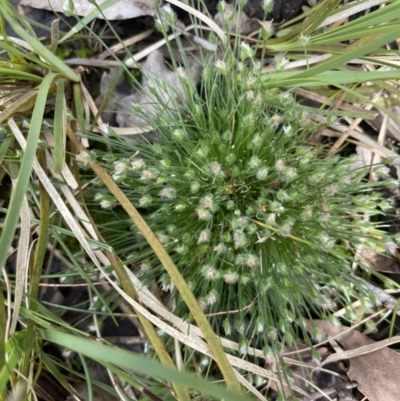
[
  {"x": 79, "y": 111},
  {"x": 131, "y": 361},
  {"x": 59, "y": 129},
  {"x": 4, "y": 147},
  {"x": 359, "y": 34},
  {"x": 290, "y": 79},
  {"x": 20, "y": 75},
  {"x": 11, "y": 219},
  {"x": 14, "y": 351},
  {"x": 3, "y": 328}
]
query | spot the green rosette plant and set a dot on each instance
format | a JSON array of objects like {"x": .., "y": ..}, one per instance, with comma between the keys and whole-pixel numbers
[{"x": 262, "y": 225}]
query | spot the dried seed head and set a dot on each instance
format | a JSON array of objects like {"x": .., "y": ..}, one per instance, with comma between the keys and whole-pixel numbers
[
  {"x": 280, "y": 165},
  {"x": 251, "y": 261},
  {"x": 207, "y": 202},
  {"x": 262, "y": 173},
  {"x": 147, "y": 175},
  {"x": 249, "y": 95},
  {"x": 204, "y": 236},
  {"x": 254, "y": 162},
  {"x": 107, "y": 204},
  {"x": 221, "y": 67},
  {"x": 203, "y": 214},
  {"x": 137, "y": 164},
  {"x": 84, "y": 158},
  {"x": 168, "y": 193},
  {"x": 145, "y": 201},
  {"x": 216, "y": 169},
  {"x": 212, "y": 297},
  {"x": 194, "y": 187},
  {"x": 231, "y": 277},
  {"x": 209, "y": 272},
  {"x": 239, "y": 239},
  {"x": 220, "y": 248}
]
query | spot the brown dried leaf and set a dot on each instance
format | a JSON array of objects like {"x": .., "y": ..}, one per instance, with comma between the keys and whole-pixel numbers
[
  {"x": 376, "y": 372},
  {"x": 380, "y": 263}
]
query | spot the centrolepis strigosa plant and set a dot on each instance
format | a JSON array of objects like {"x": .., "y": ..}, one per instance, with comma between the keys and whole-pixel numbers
[{"x": 262, "y": 225}]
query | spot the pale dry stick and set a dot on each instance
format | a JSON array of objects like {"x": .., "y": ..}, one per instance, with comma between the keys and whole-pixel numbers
[
  {"x": 178, "y": 355},
  {"x": 56, "y": 285},
  {"x": 331, "y": 391},
  {"x": 364, "y": 139},
  {"x": 365, "y": 349},
  {"x": 358, "y": 7},
  {"x": 22, "y": 263},
  {"x": 382, "y": 132},
  {"x": 381, "y": 140},
  {"x": 391, "y": 291},
  {"x": 104, "y": 128},
  {"x": 18, "y": 42},
  {"x": 329, "y": 102},
  {"x": 124, "y": 43},
  {"x": 8, "y": 289},
  {"x": 124, "y": 131},
  {"x": 352, "y": 126},
  {"x": 92, "y": 62},
  {"x": 72, "y": 201},
  {"x": 145, "y": 52},
  {"x": 65, "y": 171},
  {"x": 299, "y": 63},
  {"x": 379, "y": 61}
]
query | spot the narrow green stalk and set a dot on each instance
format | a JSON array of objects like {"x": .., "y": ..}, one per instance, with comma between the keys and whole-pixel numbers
[
  {"x": 3, "y": 327},
  {"x": 60, "y": 122}
]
